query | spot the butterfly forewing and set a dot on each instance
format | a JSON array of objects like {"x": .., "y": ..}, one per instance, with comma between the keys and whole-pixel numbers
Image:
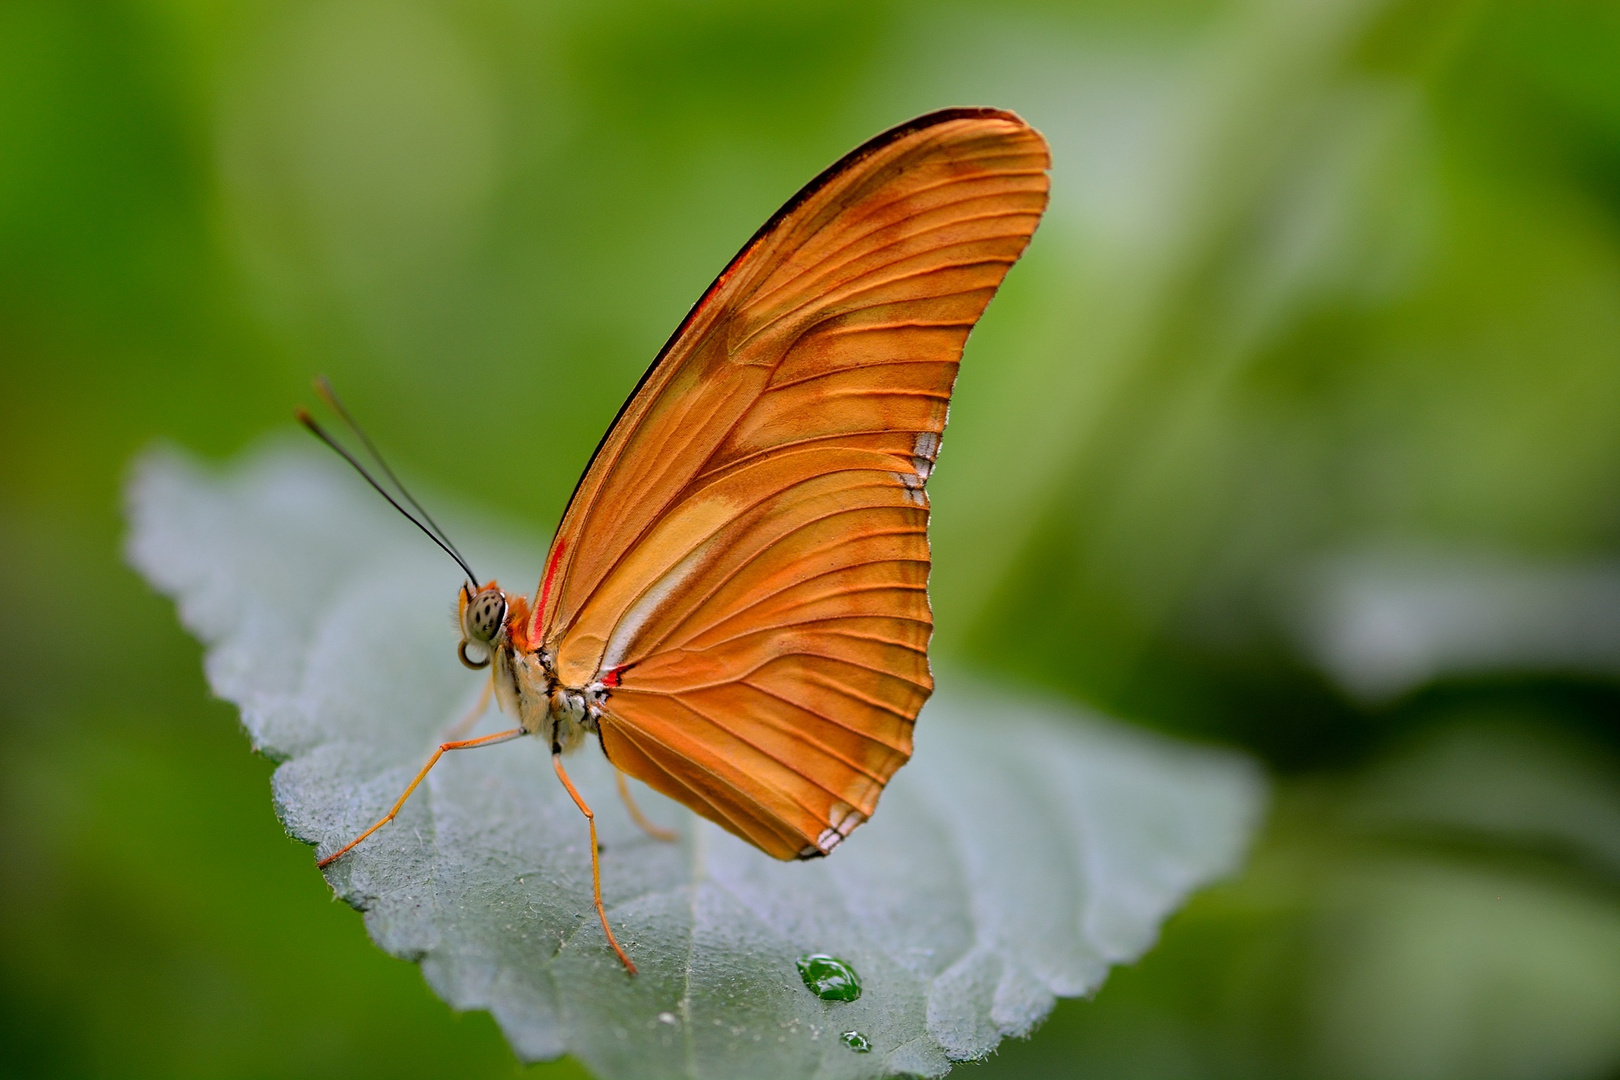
[{"x": 744, "y": 564}]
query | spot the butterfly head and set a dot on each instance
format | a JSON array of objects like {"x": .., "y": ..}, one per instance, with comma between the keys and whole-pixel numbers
[{"x": 482, "y": 619}]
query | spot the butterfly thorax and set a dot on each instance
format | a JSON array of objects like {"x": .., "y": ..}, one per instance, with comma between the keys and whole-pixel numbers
[
  {"x": 494, "y": 633},
  {"x": 526, "y": 686}
]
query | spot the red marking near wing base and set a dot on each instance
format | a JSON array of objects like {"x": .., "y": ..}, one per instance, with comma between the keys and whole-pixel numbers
[
  {"x": 545, "y": 589},
  {"x": 611, "y": 676}
]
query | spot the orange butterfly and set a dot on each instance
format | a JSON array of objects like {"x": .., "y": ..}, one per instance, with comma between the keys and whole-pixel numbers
[{"x": 735, "y": 603}]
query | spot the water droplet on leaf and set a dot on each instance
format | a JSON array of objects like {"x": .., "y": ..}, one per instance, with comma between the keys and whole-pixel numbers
[
  {"x": 829, "y": 978},
  {"x": 857, "y": 1042}
]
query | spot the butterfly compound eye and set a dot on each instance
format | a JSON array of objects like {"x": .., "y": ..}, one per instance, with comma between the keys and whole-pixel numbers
[{"x": 485, "y": 616}]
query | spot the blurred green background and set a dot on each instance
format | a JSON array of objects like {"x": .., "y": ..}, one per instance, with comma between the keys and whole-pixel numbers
[{"x": 1297, "y": 429}]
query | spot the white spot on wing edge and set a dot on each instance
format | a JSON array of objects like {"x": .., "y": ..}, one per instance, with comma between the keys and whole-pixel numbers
[
  {"x": 844, "y": 819},
  {"x": 914, "y": 488},
  {"x": 924, "y": 451}
]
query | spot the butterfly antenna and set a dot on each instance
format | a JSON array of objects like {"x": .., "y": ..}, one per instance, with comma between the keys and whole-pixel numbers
[
  {"x": 320, "y": 433},
  {"x": 323, "y": 387}
]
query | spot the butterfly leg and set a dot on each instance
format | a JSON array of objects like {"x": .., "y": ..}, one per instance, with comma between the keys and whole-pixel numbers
[
  {"x": 462, "y": 744},
  {"x": 596, "y": 863},
  {"x": 657, "y": 832},
  {"x": 465, "y": 724}
]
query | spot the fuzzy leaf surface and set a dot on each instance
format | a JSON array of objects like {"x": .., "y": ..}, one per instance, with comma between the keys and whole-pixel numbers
[{"x": 1026, "y": 849}]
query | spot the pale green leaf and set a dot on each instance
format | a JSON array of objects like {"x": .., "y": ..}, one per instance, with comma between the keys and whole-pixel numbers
[{"x": 1026, "y": 849}]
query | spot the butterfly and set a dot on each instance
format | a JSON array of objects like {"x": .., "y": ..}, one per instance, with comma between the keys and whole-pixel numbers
[{"x": 735, "y": 604}]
